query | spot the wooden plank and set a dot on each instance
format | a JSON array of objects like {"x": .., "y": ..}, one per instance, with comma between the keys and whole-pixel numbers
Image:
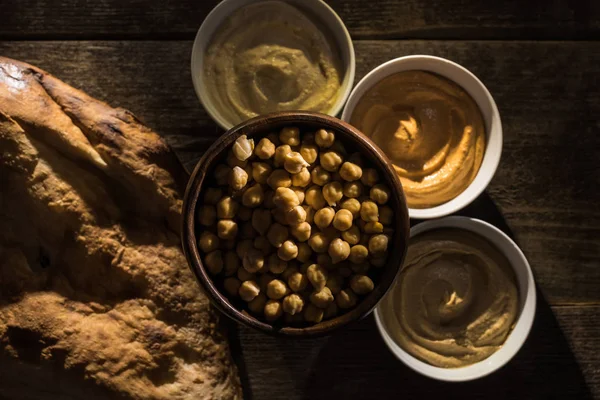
[
  {"x": 459, "y": 19},
  {"x": 545, "y": 190},
  {"x": 560, "y": 359}
]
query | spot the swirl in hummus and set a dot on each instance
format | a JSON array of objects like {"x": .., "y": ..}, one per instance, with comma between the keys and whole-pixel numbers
[
  {"x": 269, "y": 56},
  {"x": 430, "y": 128},
  {"x": 455, "y": 301}
]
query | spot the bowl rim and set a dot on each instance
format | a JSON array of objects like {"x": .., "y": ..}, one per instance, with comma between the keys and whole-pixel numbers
[
  {"x": 524, "y": 322},
  {"x": 319, "y": 8},
  {"x": 482, "y": 97},
  {"x": 256, "y": 126}
]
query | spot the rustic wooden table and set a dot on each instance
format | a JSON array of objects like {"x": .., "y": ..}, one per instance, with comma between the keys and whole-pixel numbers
[{"x": 541, "y": 61}]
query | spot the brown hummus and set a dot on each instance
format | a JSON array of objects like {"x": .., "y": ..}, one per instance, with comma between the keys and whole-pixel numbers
[
  {"x": 455, "y": 301},
  {"x": 430, "y": 128},
  {"x": 269, "y": 56}
]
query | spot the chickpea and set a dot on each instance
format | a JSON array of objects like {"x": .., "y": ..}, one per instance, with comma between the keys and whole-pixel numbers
[
  {"x": 242, "y": 247},
  {"x": 324, "y": 261},
  {"x": 214, "y": 262},
  {"x": 309, "y": 152},
  {"x": 331, "y": 311},
  {"x": 227, "y": 207},
  {"x": 279, "y": 216},
  {"x": 321, "y": 298},
  {"x": 339, "y": 250},
  {"x": 353, "y": 189},
  {"x": 299, "y": 193},
  {"x": 293, "y": 304},
  {"x": 386, "y": 215},
  {"x": 335, "y": 283},
  {"x": 244, "y": 214},
  {"x": 277, "y": 234},
  {"x": 232, "y": 286},
  {"x": 294, "y": 162},
  {"x": 379, "y": 262},
  {"x": 212, "y": 195},
  {"x": 332, "y": 192},
  {"x": 274, "y": 138},
  {"x": 264, "y": 280},
  {"x": 227, "y": 229},
  {"x": 324, "y": 217},
  {"x": 308, "y": 138},
  {"x": 369, "y": 177},
  {"x": 358, "y": 254},
  {"x": 249, "y": 290},
  {"x": 345, "y": 271},
  {"x": 302, "y": 178},
  {"x": 310, "y": 213},
  {"x": 342, "y": 220},
  {"x": 378, "y": 245},
  {"x": 272, "y": 310},
  {"x": 297, "y": 281},
  {"x": 231, "y": 263},
  {"x": 361, "y": 268},
  {"x": 361, "y": 284},
  {"x": 276, "y": 289},
  {"x": 257, "y": 305},
  {"x": 304, "y": 252},
  {"x": 319, "y": 242},
  {"x": 280, "y": 153},
  {"x": 261, "y": 172},
  {"x": 317, "y": 276},
  {"x": 290, "y": 135},
  {"x": 288, "y": 271},
  {"x": 313, "y": 313},
  {"x": 338, "y": 147},
  {"x": 301, "y": 231},
  {"x": 324, "y": 139},
  {"x": 243, "y": 147},
  {"x": 262, "y": 244},
  {"x": 261, "y": 220},
  {"x": 314, "y": 197},
  {"x": 244, "y": 275},
  {"x": 351, "y": 205},
  {"x": 222, "y": 172},
  {"x": 352, "y": 235},
  {"x": 276, "y": 264},
  {"x": 346, "y": 299},
  {"x": 369, "y": 212},
  {"x": 295, "y": 216},
  {"x": 373, "y": 227},
  {"x": 288, "y": 250},
  {"x": 248, "y": 170},
  {"x": 253, "y": 196},
  {"x": 253, "y": 260},
  {"x": 279, "y": 178},
  {"x": 330, "y": 160},
  {"x": 380, "y": 194},
  {"x": 319, "y": 176},
  {"x": 268, "y": 199},
  {"x": 208, "y": 242},
  {"x": 285, "y": 198},
  {"x": 207, "y": 215},
  {"x": 350, "y": 172},
  {"x": 265, "y": 149},
  {"x": 233, "y": 161}
]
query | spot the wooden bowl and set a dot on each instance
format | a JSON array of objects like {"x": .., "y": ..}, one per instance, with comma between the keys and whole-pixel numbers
[{"x": 258, "y": 127}]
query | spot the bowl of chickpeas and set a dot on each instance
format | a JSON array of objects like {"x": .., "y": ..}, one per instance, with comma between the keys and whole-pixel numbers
[{"x": 295, "y": 224}]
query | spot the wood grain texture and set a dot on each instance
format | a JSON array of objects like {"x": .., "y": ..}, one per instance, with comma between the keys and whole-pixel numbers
[
  {"x": 459, "y": 19},
  {"x": 546, "y": 187},
  {"x": 357, "y": 364}
]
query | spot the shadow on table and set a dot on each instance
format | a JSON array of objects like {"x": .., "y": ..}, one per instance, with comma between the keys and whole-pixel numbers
[{"x": 355, "y": 363}]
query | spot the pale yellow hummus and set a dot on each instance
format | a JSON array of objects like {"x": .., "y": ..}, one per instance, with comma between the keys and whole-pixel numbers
[
  {"x": 270, "y": 56},
  {"x": 430, "y": 128},
  {"x": 455, "y": 301}
]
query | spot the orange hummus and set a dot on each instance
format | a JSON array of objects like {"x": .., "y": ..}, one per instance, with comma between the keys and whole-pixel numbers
[{"x": 430, "y": 128}]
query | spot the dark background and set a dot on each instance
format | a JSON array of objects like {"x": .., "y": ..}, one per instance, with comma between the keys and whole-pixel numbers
[{"x": 541, "y": 62}]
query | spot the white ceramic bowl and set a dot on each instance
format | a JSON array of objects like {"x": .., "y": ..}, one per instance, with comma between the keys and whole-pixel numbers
[
  {"x": 526, "y": 306},
  {"x": 478, "y": 92},
  {"x": 316, "y": 9}
]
